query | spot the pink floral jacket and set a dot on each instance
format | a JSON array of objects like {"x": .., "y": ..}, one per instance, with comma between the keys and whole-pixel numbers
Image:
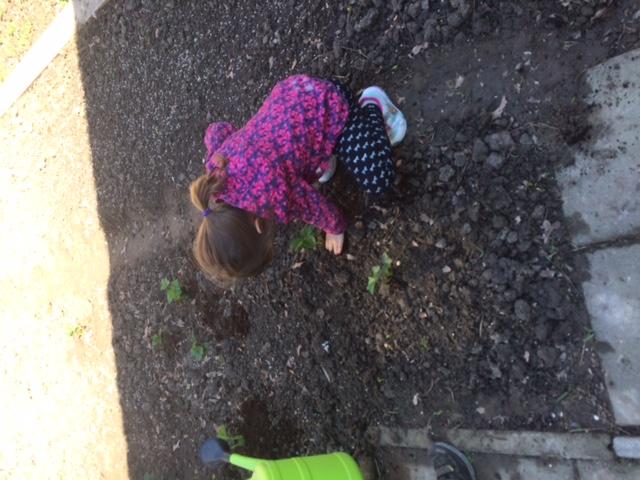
[{"x": 275, "y": 158}]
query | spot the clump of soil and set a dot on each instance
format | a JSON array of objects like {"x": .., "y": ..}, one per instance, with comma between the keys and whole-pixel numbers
[{"x": 482, "y": 323}]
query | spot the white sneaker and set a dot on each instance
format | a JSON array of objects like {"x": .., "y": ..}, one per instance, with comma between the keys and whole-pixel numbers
[{"x": 394, "y": 120}]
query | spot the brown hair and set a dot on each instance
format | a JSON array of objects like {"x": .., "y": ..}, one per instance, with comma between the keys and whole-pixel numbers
[{"x": 227, "y": 245}]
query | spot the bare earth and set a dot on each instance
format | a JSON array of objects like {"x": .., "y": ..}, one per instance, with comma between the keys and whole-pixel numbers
[{"x": 482, "y": 325}]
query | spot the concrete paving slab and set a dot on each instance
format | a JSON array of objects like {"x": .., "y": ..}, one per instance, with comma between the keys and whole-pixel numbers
[
  {"x": 608, "y": 470},
  {"x": 601, "y": 192},
  {"x": 613, "y": 300},
  {"x": 506, "y": 467}
]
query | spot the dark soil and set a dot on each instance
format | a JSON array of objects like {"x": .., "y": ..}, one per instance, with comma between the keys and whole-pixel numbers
[{"x": 482, "y": 324}]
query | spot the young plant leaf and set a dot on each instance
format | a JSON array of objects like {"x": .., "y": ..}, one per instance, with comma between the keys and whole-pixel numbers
[
  {"x": 380, "y": 274},
  {"x": 172, "y": 289},
  {"x": 156, "y": 340},
  {"x": 197, "y": 351},
  {"x": 234, "y": 441},
  {"x": 305, "y": 239}
]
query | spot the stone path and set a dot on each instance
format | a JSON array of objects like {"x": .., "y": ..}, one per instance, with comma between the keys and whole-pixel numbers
[{"x": 601, "y": 194}]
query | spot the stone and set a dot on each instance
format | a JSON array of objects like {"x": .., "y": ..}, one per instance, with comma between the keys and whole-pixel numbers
[
  {"x": 459, "y": 159},
  {"x": 366, "y": 21},
  {"x": 455, "y": 19},
  {"x": 413, "y": 9},
  {"x": 538, "y": 212},
  {"x": 480, "y": 151},
  {"x": 500, "y": 141},
  {"x": 522, "y": 310},
  {"x": 446, "y": 173},
  {"x": 548, "y": 355},
  {"x": 495, "y": 160},
  {"x": 430, "y": 30},
  {"x": 525, "y": 139}
]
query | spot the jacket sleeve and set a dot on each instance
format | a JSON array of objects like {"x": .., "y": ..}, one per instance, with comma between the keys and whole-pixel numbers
[
  {"x": 214, "y": 137},
  {"x": 313, "y": 208}
]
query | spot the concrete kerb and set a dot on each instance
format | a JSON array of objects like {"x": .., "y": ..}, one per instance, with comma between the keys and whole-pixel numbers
[
  {"x": 522, "y": 455},
  {"x": 566, "y": 446},
  {"x": 45, "y": 49}
]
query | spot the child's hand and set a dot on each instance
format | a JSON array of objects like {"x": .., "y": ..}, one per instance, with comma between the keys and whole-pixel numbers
[{"x": 334, "y": 243}]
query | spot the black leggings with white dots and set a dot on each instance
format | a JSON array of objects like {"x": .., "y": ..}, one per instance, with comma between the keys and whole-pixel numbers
[{"x": 364, "y": 147}]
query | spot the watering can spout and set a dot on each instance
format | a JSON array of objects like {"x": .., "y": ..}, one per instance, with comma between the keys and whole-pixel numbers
[
  {"x": 212, "y": 453},
  {"x": 248, "y": 463}
]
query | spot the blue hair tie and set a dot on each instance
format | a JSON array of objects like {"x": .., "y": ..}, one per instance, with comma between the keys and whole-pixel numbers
[{"x": 206, "y": 212}]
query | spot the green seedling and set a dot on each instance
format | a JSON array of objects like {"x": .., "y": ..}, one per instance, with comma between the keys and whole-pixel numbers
[
  {"x": 234, "y": 441},
  {"x": 197, "y": 351},
  {"x": 173, "y": 290},
  {"x": 77, "y": 331},
  {"x": 305, "y": 240},
  {"x": 424, "y": 344},
  {"x": 380, "y": 274},
  {"x": 589, "y": 337},
  {"x": 156, "y": 340},
  {"x": 148, "y": 476}
]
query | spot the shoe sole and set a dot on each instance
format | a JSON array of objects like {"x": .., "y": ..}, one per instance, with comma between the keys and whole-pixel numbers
[
  {"x": 401, "y": 130},
  {"x": 459, "y": 455}
]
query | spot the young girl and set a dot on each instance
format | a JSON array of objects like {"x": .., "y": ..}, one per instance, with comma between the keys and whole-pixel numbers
[{"x": 265, "y": 171}]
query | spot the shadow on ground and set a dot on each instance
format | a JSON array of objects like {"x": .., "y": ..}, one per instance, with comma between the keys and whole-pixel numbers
[{"x": 304, "y": 359}]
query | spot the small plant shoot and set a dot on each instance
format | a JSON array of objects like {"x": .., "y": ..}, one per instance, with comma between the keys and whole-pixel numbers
[
  {"x": 380, "y": 274},
  {"x": 197, "y": 351},
  {"x": 172, "y": 289},
  {"x": 156, "y": 340},
  {"x": 234, "y": 441},
  {"x": 305, "y": 240}
]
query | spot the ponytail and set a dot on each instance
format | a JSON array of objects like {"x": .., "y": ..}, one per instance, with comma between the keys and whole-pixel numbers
[
  {"x": 227, "y": 245},
  {"x": 206, "y": 187}
]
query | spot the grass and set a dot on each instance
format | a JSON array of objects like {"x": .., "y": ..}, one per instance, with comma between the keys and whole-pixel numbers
[
  {"x": 380, "y": 274},
  {"x": 78, "y": 331},
  {"x": 306, "y": 239},
  {"x": 172, "y": 289}
]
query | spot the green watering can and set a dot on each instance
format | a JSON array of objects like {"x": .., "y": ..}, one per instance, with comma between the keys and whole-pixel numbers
[{"x": 332, "y": 466}]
